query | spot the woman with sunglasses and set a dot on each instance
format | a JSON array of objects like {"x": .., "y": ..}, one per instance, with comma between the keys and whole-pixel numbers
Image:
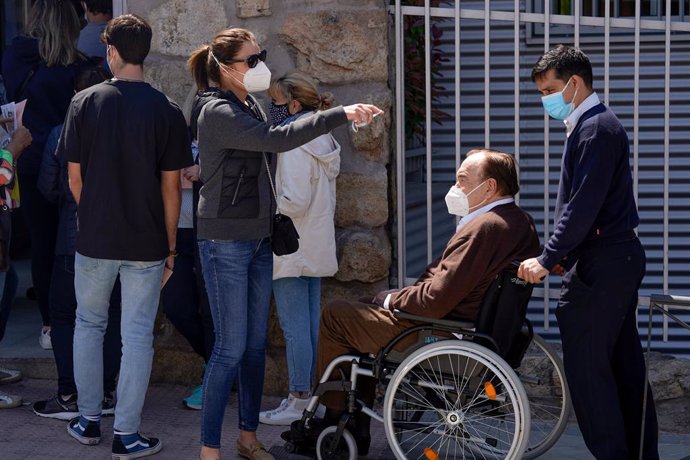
[{"x": 237, "y": 153}]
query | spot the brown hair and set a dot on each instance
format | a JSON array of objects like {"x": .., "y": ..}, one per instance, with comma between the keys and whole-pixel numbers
[
  {"x": 501, "y": 167},
  {"x": 224, "y": 47},
  {"x": 131, "y": 37},
  {"x": 299, "y": 87},
  {"x": 56, "y": 26}
]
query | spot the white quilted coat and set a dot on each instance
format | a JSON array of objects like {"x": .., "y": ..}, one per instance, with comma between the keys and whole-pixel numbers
[{"x": 305, "y": 184}]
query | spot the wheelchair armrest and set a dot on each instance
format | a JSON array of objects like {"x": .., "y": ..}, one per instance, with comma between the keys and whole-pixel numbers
[{"x": 441, "y": 322}]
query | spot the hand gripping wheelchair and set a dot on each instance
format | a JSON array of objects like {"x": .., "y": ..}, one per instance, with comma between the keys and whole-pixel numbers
[{"x": 492, "y": 389}]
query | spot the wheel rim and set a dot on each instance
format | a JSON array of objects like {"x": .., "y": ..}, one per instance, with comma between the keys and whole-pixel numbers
[
  {"x": 543, "y": 377},
  {"x": 455, "y": 400},
  {"x": 345, "y": 450}
]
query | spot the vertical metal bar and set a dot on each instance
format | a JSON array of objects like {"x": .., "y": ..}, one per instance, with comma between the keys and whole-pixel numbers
[
  {"x": 427, "y": 91},
  {"x": 458, "y": 145},
  {"x": 595, "y": 7},
  {"x": 400, "y": 143},
  {"x": 119, "y": 7},
  {"x": 667, "y": 135},
  {"x": 616, "y": 8},
  {"x": 577, "y": 13},
  {"x": 607, "y": 50},
  {"x": 636, "y": 102},
  {"x": 516, "y": 81},
  {"x": 487, "y": 66},
  {"x": 547, "y": 147}
]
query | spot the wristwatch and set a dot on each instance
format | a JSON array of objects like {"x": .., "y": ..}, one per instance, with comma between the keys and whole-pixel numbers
[{"x": 172, "y": 253}]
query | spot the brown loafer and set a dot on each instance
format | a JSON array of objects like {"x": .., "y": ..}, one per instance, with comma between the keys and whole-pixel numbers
[{"x": 256, "y": 451}]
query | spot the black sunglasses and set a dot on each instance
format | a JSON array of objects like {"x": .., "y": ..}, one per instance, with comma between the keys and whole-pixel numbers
[{"x": 252, "y": 60}]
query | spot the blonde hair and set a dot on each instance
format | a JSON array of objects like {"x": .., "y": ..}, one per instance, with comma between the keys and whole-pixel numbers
[
  {"x": 224, "y": 47},
  {"x": 299, "y": 87},
  {"x": 56, "y": 26}
]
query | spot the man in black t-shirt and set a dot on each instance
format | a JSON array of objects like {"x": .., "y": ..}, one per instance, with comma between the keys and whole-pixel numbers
[{"x": 125, "y": 143}]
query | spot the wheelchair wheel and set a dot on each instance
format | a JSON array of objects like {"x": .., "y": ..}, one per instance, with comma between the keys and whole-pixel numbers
[
  {"x": 543, "y": 377},
  {"x": 455, "y": 399},
  {"x": 328, "y": 447}
]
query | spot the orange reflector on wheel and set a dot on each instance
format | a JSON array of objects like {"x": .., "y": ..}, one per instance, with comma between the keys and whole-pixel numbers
[
  {"x": 490, "y": 390},
  {"x": 430, "y": 454}
]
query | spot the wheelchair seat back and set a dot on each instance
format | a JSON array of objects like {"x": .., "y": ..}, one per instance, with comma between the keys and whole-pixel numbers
[{"x": 502, "y": 315}]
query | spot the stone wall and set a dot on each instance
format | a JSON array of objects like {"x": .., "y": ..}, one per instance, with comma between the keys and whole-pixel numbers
[{"x": 344, "y": 46}]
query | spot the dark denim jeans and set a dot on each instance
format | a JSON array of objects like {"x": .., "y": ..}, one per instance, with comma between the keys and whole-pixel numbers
[
  {"x": 8, "y": 286},
  {"x": 184, "y": 297},
  {"x": 63, "y": 310},
  {"x": 238, "y": 282},
  {"x": 41, "y": 219}
]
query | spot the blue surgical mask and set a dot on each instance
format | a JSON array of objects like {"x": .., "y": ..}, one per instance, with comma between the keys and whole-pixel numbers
[
  {"x": 555, "y": 105},
  {"x": 278, "y": 113}
]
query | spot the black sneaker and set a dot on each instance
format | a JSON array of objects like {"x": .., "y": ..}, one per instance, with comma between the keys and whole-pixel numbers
[
  {"x": 108, "y": 405},
  {"x": 85, "y": 431},
  {"x": 129, "y": 446},
  {"x": 57, "y": 408}
]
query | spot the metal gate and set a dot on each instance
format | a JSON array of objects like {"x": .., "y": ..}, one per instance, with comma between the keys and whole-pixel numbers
[{"x": 640, "y": 51}]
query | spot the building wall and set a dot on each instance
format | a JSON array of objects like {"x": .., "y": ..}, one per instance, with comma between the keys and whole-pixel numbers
[{"x": 344, "y": 46}]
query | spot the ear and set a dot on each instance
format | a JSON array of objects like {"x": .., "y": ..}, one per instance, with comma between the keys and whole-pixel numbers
[
  {"x": 493, "y": 185},
  {"x": 294, "y": 106}
]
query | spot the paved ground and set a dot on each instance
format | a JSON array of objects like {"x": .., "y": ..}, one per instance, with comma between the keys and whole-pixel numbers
[{"x": 25, "y": 436}]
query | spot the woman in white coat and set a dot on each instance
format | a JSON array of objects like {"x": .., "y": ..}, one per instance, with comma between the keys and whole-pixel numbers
[{"x": 305, "y": 187}]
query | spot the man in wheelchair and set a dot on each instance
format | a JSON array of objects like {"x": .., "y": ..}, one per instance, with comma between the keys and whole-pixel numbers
[{"x": 492, "y": 233}]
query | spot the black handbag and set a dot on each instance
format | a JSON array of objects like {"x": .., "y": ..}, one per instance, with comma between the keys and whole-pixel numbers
[{"x": 284, "y": 237}]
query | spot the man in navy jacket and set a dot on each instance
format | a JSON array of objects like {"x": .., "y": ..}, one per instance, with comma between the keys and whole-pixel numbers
[{"x": 595, "y": 245}]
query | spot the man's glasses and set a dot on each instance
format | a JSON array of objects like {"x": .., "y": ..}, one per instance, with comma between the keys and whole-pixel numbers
[{"x": 252, "y": 60}]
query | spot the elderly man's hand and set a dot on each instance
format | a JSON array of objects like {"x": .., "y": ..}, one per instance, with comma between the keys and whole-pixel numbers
[{"x": 532, "y": 271}]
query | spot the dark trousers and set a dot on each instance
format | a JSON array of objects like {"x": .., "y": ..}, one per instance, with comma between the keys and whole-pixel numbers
[
  {"x": 184, "y": 297},
  {"x": 41, "y": 219},
  {"x": 11, "y": 282},
  {"x": 63, "y": 307},
  {"x": 603, "y": 356}
]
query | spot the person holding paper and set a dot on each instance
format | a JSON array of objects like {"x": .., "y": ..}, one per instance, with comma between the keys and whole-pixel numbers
[
  {"x": 10, "y": 149},
  {"x": 41, "y": 67}
]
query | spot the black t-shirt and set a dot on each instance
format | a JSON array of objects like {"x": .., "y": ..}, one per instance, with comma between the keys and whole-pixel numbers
[{"x": 123, "y": 134}]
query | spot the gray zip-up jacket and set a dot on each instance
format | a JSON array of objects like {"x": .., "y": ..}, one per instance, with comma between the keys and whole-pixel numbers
[{"x": 236, "y": 201}]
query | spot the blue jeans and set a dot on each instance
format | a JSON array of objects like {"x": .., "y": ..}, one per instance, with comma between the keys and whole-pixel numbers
[
  {"x": 63, "y": 307},
  {"x": 298, "y": 303},
  {"x": 93, "y": 284},
  {"x": 238, "y": 276}
]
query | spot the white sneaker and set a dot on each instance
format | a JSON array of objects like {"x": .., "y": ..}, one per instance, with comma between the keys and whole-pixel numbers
[
  {"x": 44, "y": 339},
  {"x": 9, "y": 401},
  {"x": 288, "y": 411}
]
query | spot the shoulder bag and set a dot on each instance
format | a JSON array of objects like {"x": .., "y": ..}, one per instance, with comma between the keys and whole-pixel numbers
[{"x": 284, "y": 237}]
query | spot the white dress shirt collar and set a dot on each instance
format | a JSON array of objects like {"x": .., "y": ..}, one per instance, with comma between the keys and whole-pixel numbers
[
  {"x": 483, "y": 210},
  {"x": 572, "y": 119}
]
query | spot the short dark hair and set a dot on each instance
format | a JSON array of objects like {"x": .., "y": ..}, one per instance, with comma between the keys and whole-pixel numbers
[
  {"x": 131, "y": 37},
  {"x": 99, "y": 6},
  {"x": 501, "y": 167},
  {"x": 565, "y": 61}
]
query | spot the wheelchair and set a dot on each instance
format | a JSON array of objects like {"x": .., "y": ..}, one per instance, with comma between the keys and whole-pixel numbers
[{"x": 488, "y": 389}]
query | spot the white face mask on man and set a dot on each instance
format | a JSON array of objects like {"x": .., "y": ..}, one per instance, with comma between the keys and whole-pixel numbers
[{"x": 458, "y": 202}]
